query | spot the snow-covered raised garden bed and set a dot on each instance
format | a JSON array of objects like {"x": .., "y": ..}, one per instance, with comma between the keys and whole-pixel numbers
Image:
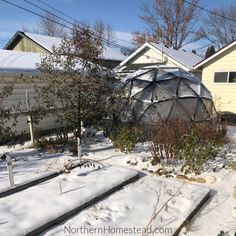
[
  {"x": 43, "y": 205},
  {"x": 149, "y": 204},
  {"x": 29, "y": 164}
]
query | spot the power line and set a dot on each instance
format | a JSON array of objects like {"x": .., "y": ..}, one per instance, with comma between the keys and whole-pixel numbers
[
  {"x": 66, "y": 15},
  {"x": 35, "y": 13},
  {"x": 209, "y": 11},
  {"x": 56, "y": 22},
  {"x": 58, "y": 11},
  {"x": 63, "y": 19},
  {"x": 43, "y": 9}
]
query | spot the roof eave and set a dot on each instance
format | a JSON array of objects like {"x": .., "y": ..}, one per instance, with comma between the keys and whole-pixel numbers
[
  {"x": 13, "y": 39},
  {"x": 136, "y": 52},
  {"x": 204, "y": 61},
  {"x": 22, "y": 34}
]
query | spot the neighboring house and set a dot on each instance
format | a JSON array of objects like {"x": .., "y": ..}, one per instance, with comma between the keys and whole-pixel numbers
[
  {"x": 219, "y": 76},
  {"x": 29, "y": 42},
  {"x": 157, "y": 54}
]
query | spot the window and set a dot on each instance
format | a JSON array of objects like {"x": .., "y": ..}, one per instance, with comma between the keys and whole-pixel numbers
[
  {"x": 225, "y": 77},
  {"x": 232, "y": 77},
  {"x": 221, "y": 77}
]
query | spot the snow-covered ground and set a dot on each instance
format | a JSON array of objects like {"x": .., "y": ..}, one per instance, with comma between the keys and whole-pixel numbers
[
  {"x": 218, "y": 214},
  {"x": 30, "y": 163},
  {"x": 125, "y": 206},
  {"x": 27, "y": 210},
  {"x": 147, "y": 205}
]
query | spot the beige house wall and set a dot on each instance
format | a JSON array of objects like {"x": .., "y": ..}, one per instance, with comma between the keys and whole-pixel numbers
[
  {"x": 224, "y": 94},
  {"x": 151, "y": 56},
  {"x": 27, "y": 45}
]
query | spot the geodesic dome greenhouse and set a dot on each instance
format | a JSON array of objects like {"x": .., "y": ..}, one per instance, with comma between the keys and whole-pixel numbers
[{"x": 164, "y": 93}]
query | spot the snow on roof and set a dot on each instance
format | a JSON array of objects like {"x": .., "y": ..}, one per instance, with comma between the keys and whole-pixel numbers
[
  {"x": 47, "y": 42},
  {"x": 18, "y": 61},
  {"x": 178, "y": 57},
  {"x": 188, "y": 59},
  {"x": 15, "y": 62},
  {"x": 220, "y": 51}
]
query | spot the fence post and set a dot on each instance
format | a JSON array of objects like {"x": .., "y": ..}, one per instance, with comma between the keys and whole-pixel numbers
[
  {"x": 79, "y": 148},
  {"x": 10, "y": 171},
  {"x": 29, "y": 119}
]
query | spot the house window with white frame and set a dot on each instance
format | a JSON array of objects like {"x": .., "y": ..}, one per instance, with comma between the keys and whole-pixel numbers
[{"x": 225, "y": 77}]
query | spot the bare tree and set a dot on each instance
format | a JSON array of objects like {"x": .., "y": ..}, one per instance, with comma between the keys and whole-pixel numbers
[
  {"x": 104, "y": 31},
  {"x": 219, "y": 30},
  {"x": 140, "y": 38},
  {"x": 48, "y": 26},
  {"x": 26, "y": 28},
  {"x": 173, "y": 22}
]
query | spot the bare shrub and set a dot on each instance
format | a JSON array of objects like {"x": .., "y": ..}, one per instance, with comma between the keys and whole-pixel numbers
[
  {"x": 194, "y": 143},
  {"x": 165, "y": 137}
]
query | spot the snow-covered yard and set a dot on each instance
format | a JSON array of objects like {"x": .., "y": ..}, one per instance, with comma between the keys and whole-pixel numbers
[
  {"x": 149, "y": 204},
  {"x": 30, "y": 209},
  {"x": 29, "y": 164},
  {"x": 135, "y": 204}
]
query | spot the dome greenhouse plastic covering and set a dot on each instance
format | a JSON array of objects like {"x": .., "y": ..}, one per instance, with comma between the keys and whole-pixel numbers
[{"x": 164, "y": 93}]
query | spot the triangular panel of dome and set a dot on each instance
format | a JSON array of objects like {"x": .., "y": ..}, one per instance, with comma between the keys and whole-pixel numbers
[
  {"x": 149, "y": 76},
  {"x": 185, "y": 90},
  {"x": 128, "y": 87},
  {"x": 164, "y": 76},
  {"x": 164, "y": 108},
  {"x": 145, "y": 95},
  {"x": 201, "y": 112},
  {"x": 208, "y": 105},
  {"x": 171, "y": 86},
  {"x": 204, "y": 92},
  {"x": 139, "y": 108},
  {"x": 185, "y": 75},
  {"x": 151, "y": 115},
  {"x": 138, "y": 85},
  {"x": 189, "y": 105},
  {"x": 196, "y": 87},
  {"x": 160, "y": 94},
  {"x": 178, "y": 113}
]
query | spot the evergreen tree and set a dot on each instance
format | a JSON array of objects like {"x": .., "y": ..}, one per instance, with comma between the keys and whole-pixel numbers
[{"x": 210, "y": 51}]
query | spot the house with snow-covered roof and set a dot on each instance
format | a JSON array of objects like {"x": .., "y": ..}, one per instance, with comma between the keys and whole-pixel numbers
[
  {"x": 29, "y": 42},
  {"x": 218, "y": 73},
  {"x": 150, "y": 54}
]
